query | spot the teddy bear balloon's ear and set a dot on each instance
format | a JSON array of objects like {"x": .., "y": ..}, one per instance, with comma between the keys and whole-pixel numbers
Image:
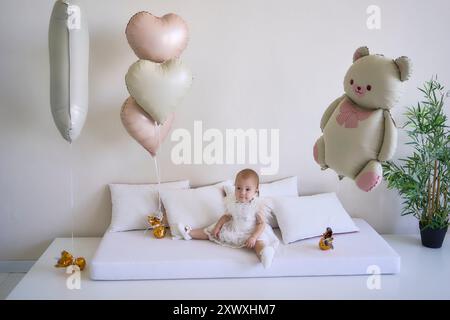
[
  {"x": 404, "y": 66},
  {"x": 360, "y": 52}
]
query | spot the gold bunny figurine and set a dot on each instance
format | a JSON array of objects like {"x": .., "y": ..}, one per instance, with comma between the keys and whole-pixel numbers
[
  {"x": 67, "y": 260},
  {"x": 326, "y": 242},
  {"x": 159, "y": 230}
]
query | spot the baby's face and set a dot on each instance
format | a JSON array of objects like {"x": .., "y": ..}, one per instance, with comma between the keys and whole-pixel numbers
[{"x": 245, "y": 189}]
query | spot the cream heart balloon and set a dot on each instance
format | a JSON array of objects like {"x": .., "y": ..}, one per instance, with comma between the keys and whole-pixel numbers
[
  {"x": 143, "y": 128},
  {"x": 158, "y": 88},
  {"x": 157, "y": 39}
]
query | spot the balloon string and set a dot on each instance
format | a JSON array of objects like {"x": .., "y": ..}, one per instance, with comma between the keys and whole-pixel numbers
[
  {"x": 158, "y": 173},
  {"x": 159, "y": 183},
  {"x": 338, "y": 191},
  {"x": 382, "y": 202},
  {"x": 71, "y": 194}
]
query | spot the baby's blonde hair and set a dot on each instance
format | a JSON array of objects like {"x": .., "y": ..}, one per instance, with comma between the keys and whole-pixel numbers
[{"x": 248, "y": 173}]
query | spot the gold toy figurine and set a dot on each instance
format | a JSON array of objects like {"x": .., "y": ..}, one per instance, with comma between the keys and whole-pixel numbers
[
  {"x": 67, "y": 260},
  {"x": 326, "y": 242},
  {"x": 80, "y": 262},
  {"x": 159, "y": 230},
  {"x": 154, "y": 221}
]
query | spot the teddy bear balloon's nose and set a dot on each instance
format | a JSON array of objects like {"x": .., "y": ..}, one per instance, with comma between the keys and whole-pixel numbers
[{"x": 359, "y": 88}]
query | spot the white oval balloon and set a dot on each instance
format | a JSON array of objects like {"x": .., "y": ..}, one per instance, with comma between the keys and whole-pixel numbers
[{"x": 69, "y": 67}]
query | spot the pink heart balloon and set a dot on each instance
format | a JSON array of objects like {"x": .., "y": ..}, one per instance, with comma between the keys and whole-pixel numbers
[
  {"x": 143, "y": 128},
  {"x": 157, "y": 39}
]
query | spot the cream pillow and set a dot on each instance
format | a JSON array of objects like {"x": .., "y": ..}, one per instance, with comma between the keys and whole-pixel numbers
[
  {"x": 197, "y": 208},
  {"x": 267, "y": 191},
  {"x": 132, "y": 203},
  {"x": 306, "y": 217}
]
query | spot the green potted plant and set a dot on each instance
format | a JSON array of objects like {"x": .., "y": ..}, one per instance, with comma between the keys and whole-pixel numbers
[{"x": 423, "y": 178}]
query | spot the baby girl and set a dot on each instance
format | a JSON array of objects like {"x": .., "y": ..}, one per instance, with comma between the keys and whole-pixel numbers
[{"x": 243, "y": 224}]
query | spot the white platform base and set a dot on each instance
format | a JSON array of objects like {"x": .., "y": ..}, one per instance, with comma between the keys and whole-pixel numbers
[
  {"x": 424, "y": 275},
  {"x": 134, "y": 255}
]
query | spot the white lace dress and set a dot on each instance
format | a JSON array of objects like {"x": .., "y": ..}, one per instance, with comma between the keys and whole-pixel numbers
[{"x": 239, "y": 228}]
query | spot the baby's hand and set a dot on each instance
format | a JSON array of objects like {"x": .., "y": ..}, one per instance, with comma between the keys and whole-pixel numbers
[
  {"x": 250, "y": 243},
  {"x": 216, "y": 232}
]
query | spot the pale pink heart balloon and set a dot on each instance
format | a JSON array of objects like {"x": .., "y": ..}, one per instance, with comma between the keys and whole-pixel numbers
[
  {"x": 143, "y": 128},
  {"x": 157, "y": 39}
]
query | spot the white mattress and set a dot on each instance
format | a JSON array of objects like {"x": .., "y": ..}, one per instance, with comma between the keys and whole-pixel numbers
[{"x": 134, "y": 255}]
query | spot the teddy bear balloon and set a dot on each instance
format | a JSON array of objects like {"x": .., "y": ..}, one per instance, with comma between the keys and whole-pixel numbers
[{"x": 358, "y": 130}]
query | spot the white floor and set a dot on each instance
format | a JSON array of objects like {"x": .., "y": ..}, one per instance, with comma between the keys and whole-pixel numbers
[{"x": 8, "y": 282}]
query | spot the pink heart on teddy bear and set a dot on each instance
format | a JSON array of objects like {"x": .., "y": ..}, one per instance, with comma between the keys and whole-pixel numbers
[{"x": 157, "y": 39}]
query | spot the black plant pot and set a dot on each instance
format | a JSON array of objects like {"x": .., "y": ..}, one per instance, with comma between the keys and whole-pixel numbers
[{"x": 432, "y": 238}]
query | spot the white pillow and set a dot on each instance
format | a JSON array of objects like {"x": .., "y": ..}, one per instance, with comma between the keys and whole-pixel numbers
[
  {"x": 267, "y": 191},
  {"x": 197, "y": 208},
  {"x": 282, "y": 188},
  {"x": 306, "y": 217},
  {"x": 132, "y": 203}
]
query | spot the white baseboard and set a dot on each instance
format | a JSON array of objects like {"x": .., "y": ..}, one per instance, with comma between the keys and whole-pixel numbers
[{"x": 16, "y": 266}]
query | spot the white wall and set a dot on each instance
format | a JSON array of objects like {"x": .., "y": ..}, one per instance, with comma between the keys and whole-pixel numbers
[{"x": 257, "y": 64}]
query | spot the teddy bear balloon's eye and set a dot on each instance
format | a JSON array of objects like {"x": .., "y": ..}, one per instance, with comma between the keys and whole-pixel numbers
[
  {"x": 369, "y": 87},
  {"x": 351, "y": 82}
]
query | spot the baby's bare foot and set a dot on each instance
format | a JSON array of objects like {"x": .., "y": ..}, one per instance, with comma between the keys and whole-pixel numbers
[
  {"x": 267, "y": 256},
  {"x": 184, "y": 231}
]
